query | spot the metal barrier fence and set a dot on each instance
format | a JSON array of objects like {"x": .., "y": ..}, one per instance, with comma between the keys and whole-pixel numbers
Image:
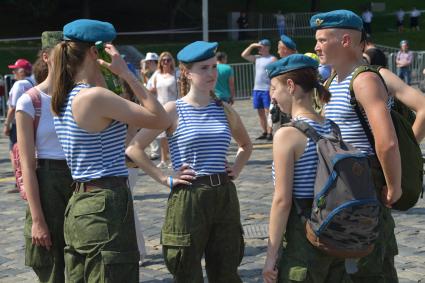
[
  {"x": 244, "y": 79},
  {"x": 417, "y": 66}
]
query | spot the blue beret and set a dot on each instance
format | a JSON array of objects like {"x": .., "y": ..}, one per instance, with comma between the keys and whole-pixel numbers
[
  {"x": 197, "y": 51},
  {"x": 89, "y": 31},
  {"x": 290, "y": 63},
  {"x": 288, "y": 42},
  {"x": 342, "y": 19},
  {"x": 264, "y": 42}
]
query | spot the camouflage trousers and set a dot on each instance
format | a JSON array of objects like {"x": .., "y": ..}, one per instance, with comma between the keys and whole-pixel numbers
[
  {"x": 100, "y": 237},
  {"x": 378, "y": 267},
  {"x": 302, "y": 262},
  {"x": 203, "y": 219},
  {"x": 55, "y": 192}
]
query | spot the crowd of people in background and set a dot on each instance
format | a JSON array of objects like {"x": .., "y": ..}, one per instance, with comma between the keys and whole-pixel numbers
[{"x": 80, "y": 160}]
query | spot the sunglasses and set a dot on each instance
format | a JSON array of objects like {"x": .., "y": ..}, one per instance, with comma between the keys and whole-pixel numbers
[{"x": 166, "y": 60}]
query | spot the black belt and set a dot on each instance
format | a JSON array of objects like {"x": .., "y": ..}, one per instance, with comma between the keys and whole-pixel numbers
[
  {"x": 213, "y": 180},
  {"x": 52, "y": 163},
  {"x": 100, "y": 183}
]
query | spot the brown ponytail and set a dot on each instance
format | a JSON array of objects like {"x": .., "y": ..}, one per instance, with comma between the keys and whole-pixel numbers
[
  {"x": 68, "y": 56},
  {"x": 323, "y": 93}
]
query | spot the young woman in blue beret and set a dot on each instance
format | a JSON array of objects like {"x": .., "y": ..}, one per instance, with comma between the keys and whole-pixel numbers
[
  {"x": 293, "y": 82},
  {"x": 90, "y": 121},
  {"x": 203, "y": 217}
]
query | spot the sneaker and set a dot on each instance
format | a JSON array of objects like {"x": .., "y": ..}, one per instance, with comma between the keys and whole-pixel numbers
[
  {"x": 262, "y": 137},
  {"x": 270, "y": 137},
  {"x": 162, "y": 165}
]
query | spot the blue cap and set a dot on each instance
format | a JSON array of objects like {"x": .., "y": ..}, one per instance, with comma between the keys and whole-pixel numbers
[
  {"x": 288, "y": 42},
  {"x": 290, "y": 63},
  {"x": 197, "y": 51},
  {"x": 404, "y": 42},
  {"x": 265, "y": 42},
  {"x": 89, "y": 31},
  {"x": 343, "y": 19}
]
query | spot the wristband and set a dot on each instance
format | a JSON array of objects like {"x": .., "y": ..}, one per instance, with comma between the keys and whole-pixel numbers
[{"x": 171, "y": 182}]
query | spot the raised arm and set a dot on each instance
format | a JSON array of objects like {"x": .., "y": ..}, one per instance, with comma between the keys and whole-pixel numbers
[
  {"x": 410, "y": 96},
  {"x": 371, "y": 94},
  {"x": 136, "y": 152},
  {"x": 246, "y": 54}
]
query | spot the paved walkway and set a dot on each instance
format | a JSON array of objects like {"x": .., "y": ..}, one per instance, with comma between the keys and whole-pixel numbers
[{"x": 255, "y": 193}]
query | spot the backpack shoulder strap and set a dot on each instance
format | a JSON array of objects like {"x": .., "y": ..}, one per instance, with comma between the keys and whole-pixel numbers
[
  {"x": 304, "y": 128},
  {"x": 330, "y": 79},
  {"x": 28, "y": 80},
  {"x": 36, "y": 102},
  {"x": 355, "y": 104}
]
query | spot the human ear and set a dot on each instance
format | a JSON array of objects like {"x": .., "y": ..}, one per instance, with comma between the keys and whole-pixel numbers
[{"x": 291, "y": 86}]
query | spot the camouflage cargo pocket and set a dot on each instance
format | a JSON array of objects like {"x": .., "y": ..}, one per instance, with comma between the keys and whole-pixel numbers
[
  {"x": 174, "y": 248},
  {"x": 87, "y": 220},
  {"x": 120, "y": 267}
]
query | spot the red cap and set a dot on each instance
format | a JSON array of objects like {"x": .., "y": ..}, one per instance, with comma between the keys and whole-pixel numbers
[{"x": 21, "y": 63}]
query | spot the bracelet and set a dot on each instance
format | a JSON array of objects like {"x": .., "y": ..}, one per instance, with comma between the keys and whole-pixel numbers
[{"x": 171, "y": 182}]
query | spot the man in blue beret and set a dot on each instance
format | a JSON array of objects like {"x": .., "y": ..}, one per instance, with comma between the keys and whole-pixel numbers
[
  {"x": 286, "y": 46},
  {"x": 339, "y": 36},
  {"x": 260, "y": 93}
]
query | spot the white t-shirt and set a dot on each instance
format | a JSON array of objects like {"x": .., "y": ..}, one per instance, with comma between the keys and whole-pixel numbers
[
  {"x": 262, "y": 81},
  {"x": 47, "y": 142},
  {"x": 166, "y": 87},
  {"x": 400, "y": 15},
  {"x": 415, "y": 13},
  {"x": 19, "y": 88},
  {"x": 149, "y": 84}
]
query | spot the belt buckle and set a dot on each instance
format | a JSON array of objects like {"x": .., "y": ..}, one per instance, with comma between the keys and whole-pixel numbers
[{"x": 211, "y": 180}]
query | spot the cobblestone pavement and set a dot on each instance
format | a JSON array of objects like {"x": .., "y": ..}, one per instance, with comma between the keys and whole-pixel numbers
[{"x": 255, "y": 193}]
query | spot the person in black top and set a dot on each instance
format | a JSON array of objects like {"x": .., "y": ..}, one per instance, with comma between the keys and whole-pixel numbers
[{"x": 242, "y": 22}]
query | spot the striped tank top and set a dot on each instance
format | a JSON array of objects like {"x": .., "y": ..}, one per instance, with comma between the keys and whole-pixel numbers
[
  {"x": 201, "y": 139},
  {"x": 90, "y": 155},
  {"x": 340, "y": 110},
  {"x": 306, "y": 166}
]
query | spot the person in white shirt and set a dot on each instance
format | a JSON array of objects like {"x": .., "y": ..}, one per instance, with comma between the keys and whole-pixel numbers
[
  {"x": 280, "y": 22},
  {"x": 414, "y": 19},
  {"x": 400, "y": 19},
  {"x": 47, "y": 178},
  {"x": 22, "y": 70},
  {"x": 367, "y": 21}
]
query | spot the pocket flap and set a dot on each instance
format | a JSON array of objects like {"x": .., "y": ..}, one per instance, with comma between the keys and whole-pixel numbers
[
  {"x": 112, "y": 257},
  {"x": 177, "y": 240},
  {"x": 89, "y": 206},
  {"x": 297, "y": 273}
]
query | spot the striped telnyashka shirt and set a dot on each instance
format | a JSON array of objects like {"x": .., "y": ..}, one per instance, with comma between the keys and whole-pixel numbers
[
  {"x": 90, "y": 155},
  {"x": 306, "y": 166},
  {"x": 340, "y": 110},
  {"x": 201, "y": 139}
]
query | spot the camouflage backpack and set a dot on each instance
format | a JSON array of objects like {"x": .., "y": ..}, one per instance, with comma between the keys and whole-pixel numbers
[
  {"x": 410, "y": 151},
  {"x": 344, "y": 218}
]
